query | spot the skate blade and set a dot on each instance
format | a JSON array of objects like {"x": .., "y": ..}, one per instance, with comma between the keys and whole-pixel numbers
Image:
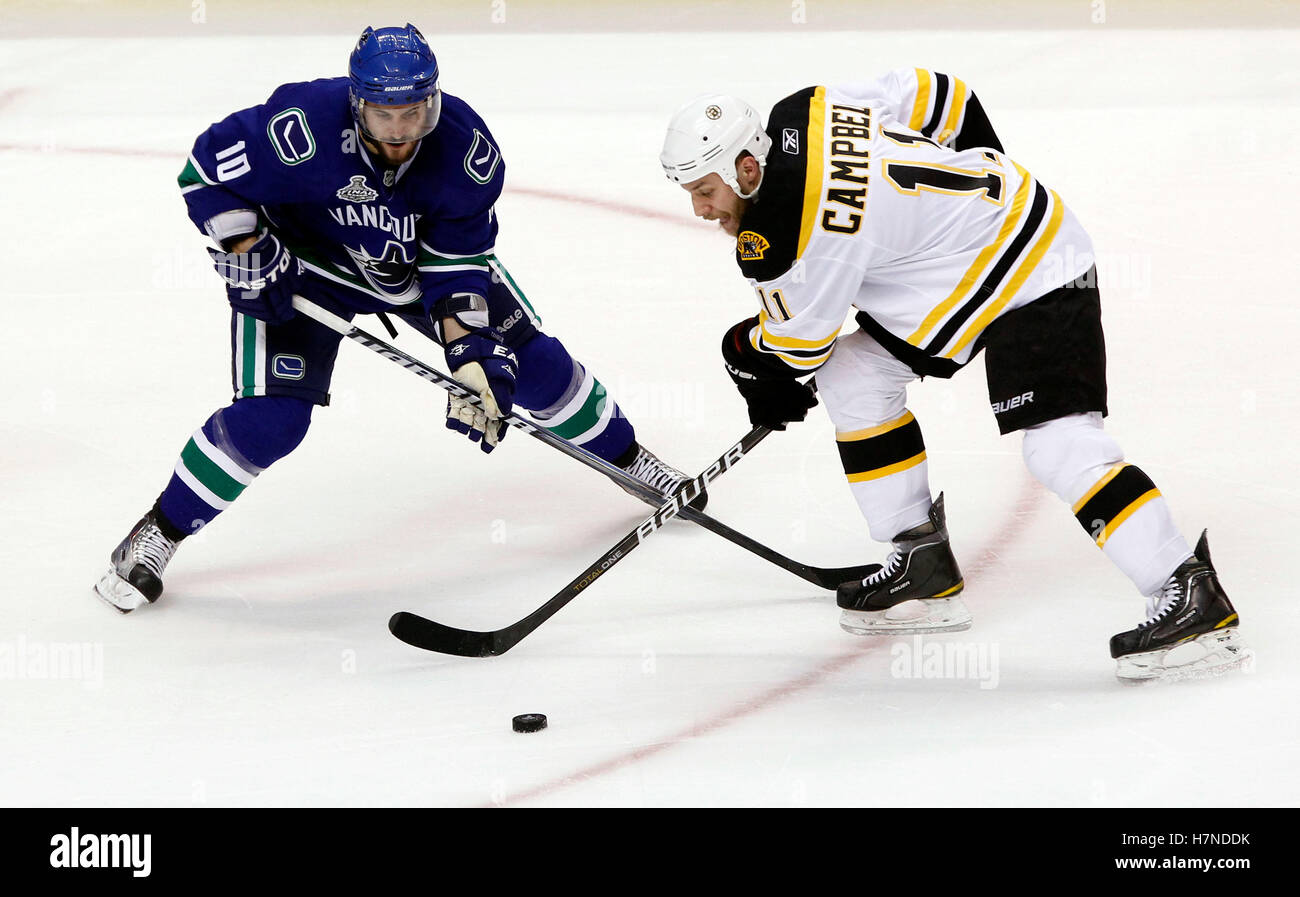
[
  {"x": 1206, "y": 656},
  {"x": 119, "y": 594},
  {"x": 920, "y": 615}
]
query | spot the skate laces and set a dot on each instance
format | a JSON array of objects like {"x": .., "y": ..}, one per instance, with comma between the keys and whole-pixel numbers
[
  {"x": 1159, "y": 607},
  {"x": 152, "y": 548},
  {"x": 892, "y": 564},
  {"x": 655, "y": 473}
]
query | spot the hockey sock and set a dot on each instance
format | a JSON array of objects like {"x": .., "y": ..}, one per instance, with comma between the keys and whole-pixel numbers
[
  {"x": 226, "y": 454},
  {"x": 1115, "y": 502},
  {"x": 1128, "y": 518},
  {"x": 562, "y": 396},
  {"x": 888, "y": 474}
]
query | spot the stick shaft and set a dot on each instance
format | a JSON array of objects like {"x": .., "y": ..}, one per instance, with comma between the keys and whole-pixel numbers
[
  {"x": 432, "y": 636},
  {"x": 824, "y": 577}
]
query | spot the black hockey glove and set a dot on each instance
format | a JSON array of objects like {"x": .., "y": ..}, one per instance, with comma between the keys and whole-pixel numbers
[
  {"x": 262, "y": 280},
  {"x": 775, "y": 398}
]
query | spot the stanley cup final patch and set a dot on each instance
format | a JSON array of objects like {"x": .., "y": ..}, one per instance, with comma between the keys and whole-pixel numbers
[{"x": 357, "y": 190}]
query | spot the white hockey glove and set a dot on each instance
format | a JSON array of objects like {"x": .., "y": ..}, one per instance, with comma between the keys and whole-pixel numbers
[{"x": 487, "y": 368}]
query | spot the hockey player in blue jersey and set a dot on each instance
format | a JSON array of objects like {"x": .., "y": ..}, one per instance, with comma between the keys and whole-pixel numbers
[{"x": 371, "y": 193}]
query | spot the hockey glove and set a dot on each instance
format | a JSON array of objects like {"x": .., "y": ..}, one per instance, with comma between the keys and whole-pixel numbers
[
  {"x": 773, "y": 395},
  {"x": 483, "y": 364},
  {"x": 260, "y": 281}
]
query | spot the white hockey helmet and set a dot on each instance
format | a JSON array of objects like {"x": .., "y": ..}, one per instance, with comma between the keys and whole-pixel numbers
[{"x": 708, "y": 134}]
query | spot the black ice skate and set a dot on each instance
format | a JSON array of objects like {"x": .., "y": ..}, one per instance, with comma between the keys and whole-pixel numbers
[
  {"x": 1191, "y": 628},
  {"x": 916, "y": 589},
  {"x": 665, "y": 480},
  {"x": 135, "y": 577}
]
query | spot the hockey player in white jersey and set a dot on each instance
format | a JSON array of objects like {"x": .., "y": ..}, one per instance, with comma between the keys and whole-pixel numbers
[{"x": 893, "y": 200}]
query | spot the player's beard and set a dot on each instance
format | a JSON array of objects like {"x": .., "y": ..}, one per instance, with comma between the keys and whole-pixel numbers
[
  {"x": 729, "y": 221},
  {"x": 393, "y": 154}
]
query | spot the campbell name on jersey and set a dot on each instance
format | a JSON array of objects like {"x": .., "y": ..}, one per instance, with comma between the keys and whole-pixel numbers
[
  {"x": 416, "y": 232},
  {"x": 866, "y": 205}
]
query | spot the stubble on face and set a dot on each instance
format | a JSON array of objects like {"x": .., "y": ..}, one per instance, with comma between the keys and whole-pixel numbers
[
  {"x": 395, "y": 154},
  {"x": 713, "y": 200}
]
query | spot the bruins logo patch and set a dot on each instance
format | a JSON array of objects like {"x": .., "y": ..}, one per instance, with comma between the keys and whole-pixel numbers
[{"x": 751, "y": 245}]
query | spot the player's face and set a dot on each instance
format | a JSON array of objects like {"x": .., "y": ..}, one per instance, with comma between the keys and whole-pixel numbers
[
  {"x": 395, "y": 124},
  {"x": 713, "y": 200},
  {"x": 395, "y": 130}
]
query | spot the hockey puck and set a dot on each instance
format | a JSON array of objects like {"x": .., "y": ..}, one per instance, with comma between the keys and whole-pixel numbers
[{"x": 529, "y": 722}]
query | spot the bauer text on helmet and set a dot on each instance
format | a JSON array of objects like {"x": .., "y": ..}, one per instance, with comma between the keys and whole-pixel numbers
[{"x": 393, "y": 85}]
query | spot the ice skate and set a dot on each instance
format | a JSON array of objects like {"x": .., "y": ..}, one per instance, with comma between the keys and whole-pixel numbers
[
  {"x": 1191, "y": 629},
  {"x": 665, "y": 480},
  {"x": 135, "y": 577},
  {"x": 915, "y": 591}
]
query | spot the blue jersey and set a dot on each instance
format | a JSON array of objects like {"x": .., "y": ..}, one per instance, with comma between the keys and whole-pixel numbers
[{"x": 389, "y": 236}]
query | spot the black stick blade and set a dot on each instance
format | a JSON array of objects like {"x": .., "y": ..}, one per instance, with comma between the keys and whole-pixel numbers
[
  {"x": 832, "y": 577},
  {"x": 419, "y": 632}
]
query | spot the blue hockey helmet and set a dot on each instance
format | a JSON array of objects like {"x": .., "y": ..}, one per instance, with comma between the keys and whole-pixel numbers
[{"x": 394, "y": 67}]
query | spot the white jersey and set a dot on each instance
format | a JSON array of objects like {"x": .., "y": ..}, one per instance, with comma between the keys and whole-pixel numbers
[{"x": 865, "y": 204}]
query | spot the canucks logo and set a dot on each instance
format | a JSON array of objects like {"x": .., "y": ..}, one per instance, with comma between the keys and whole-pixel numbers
[
  {"x": 390, "y": 273},
  {"x": 289, "y": 367},
  {"x": 482, "y": 159},
  {"x": 751, "y": 245},
  {"x": 357, "y": 190}
]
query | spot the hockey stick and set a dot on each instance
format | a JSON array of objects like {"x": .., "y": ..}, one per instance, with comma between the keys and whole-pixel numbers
[
  {"x": 824, "y": 577},
  {"x": 431, "y": 636}
]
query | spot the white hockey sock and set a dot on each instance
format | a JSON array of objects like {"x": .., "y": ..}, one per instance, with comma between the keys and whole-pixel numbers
[{"x": 1115, "y": 502}]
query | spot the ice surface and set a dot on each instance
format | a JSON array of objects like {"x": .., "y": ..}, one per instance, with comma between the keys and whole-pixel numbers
[{"x": 692, "y": 673}]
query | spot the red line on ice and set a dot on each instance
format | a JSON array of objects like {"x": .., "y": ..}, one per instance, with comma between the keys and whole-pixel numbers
[
  {"x": 988, "y": 556},
  {"x": 592, "y": 202},
  {"x": 606, "y": 205}
]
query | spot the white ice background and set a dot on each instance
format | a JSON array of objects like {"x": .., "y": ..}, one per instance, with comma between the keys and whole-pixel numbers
[{"x": 692, "y": 673}]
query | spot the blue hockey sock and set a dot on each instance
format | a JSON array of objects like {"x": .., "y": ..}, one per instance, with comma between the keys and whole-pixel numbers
[
  {"x": 563, "y": 397},
  {"x": 226, "y": 454}
]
